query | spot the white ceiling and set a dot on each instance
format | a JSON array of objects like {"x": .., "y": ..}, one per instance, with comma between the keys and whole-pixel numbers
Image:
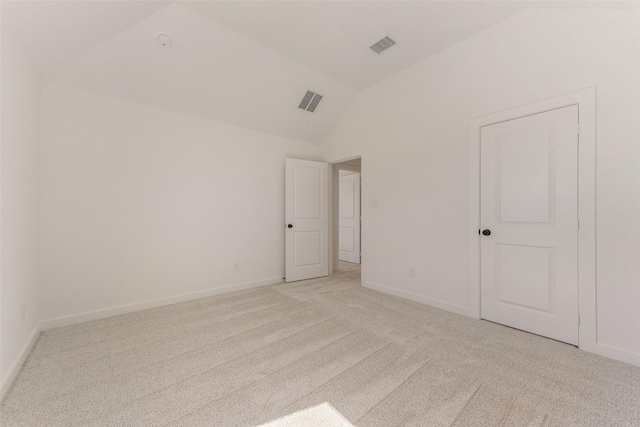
[
  {"x": 334, "y": 37},
  {"x": 209, "y": 71},
  {"x": 55, "y": 32},
  {"x": 245, "y": 63}
]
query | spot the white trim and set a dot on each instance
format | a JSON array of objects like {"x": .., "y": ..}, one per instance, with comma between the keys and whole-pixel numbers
[
  {"x": 348, "y": 168},
  {"x": 123, "y": 309},
  {"x": 114, "y": 311},
  {"x": 15, "y": 367},
  {"x": 2, "y": 361},
  {"x": 458, "y": 309},
  {"x": 586, "y": 101},
  {"x": 346, "y": 156},
  {"x": 364, "y": 210},
  {"x": 612, "y": 352}
]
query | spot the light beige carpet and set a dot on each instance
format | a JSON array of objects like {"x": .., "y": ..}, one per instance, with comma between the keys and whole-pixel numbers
[
  {"x": 344, "y": 267},
  {"x": 318, "y": 352}
]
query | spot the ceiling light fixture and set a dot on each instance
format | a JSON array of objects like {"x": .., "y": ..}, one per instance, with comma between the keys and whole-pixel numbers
[{"x": 163, "y": 39}]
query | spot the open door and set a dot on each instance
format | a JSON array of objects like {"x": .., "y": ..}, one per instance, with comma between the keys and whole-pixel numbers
[
  {"x": 306, "y": 219},
  {"x": 349, "y": 217}
]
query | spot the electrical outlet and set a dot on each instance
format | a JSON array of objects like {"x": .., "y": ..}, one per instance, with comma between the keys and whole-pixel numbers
[
  {"x": 236, "y": 266},
  {"x": 412, "y": 273},
  {"x": 23, "y": 310}
]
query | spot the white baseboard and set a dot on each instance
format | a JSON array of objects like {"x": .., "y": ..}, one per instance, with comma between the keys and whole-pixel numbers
[
  {"x": 600, "y": 349},
  {"x": 611, "y": 352},
  {"x": 19, "y": 361},
  {"x": 123, "y": 309},
  {"x": 458, "y": 309},
  {"x": 7, "y": 381}
]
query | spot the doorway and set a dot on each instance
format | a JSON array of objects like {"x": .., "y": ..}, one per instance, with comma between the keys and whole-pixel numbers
[
  {"x": 312, "y": 191},
  {"x": 347, "y": 230},
  {"x": 584, "y": 133},
  {"x": 529, "y": 222},
  {"x": 349, "y": 216}
]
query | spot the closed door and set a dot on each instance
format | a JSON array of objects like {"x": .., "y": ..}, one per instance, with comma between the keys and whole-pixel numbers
[
  {"x": 529, "y": 223},
  {"x": 349, "y": 217},
  {"x": 306, "y": 219}
]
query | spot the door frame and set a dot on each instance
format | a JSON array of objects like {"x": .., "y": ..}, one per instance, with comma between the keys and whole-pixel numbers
[
  {"x": 585, "y": 99},
  {"x": 364, "y": 210}
]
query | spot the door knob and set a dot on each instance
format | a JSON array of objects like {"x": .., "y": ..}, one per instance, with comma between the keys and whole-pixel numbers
[
  {"x": 486, "y": 232},
  {"x": 289, "y": 225}
]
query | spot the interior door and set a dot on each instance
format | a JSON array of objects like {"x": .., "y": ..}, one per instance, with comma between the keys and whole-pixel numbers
[
  {"x": 349, "y": 217},
  {"x": 529, "y": 223},
  {"x": 306, "y": 219}
]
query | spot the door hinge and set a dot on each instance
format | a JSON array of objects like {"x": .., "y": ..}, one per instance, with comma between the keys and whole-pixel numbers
[
  {"x": 578, "y": 320},
  {"x": 578, "y": 128},
  {"x": 578, "y": 223}
]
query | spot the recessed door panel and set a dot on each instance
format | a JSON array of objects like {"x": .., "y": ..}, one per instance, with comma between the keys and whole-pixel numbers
[
  {"x": 346, "y": 236},
  {"x": 529, "y": 207},
  {"x": 525, "y": 276},
  {"x": 308, "y": 195},
  {"x": 525, "y": 163},
  {"x": 346, "y": 191},
  {"x": 308, "y": 248}
]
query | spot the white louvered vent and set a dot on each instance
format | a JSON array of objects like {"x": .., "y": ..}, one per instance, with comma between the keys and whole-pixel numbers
[
  {"x": 310, "y": 101},
  {"x": 382, "y": 45}
]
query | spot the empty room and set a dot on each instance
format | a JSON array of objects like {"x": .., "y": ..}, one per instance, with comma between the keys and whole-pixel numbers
[{"x": 319, "y": 213}]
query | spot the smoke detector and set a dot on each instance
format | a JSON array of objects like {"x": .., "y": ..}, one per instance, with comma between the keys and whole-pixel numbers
[
  {"x": 310, "y": 101},
  {"x": 163, "y": 39}
]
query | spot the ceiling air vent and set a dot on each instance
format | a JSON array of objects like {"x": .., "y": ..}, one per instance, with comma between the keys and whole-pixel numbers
[
  {"x": 310, "y": 101},
  {"x": 382, "y": 45}
]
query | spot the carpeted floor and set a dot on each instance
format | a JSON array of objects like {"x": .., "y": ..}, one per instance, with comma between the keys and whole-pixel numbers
[{"x": 318, "y": 352}]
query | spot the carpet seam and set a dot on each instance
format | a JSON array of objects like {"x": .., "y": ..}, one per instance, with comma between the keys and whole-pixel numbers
[
  {"x": 263, "y": 378},
  {"x": 71, "y": 392}
]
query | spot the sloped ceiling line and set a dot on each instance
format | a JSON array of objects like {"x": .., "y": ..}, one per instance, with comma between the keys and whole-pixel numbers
[{"x": 241, "y": 63}]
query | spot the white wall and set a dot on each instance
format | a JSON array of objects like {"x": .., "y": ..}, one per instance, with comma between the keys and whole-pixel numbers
[
  {"x": 414, "y": 128},
  {"x": 20, "y": 208},
  {"x": 141, "y": 204}
]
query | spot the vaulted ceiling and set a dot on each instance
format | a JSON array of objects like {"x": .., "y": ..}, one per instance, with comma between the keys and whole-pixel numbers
[{"x": 240, "y": 62}]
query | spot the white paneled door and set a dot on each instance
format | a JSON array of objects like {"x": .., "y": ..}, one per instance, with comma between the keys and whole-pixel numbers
[
  {"x": 529, "y": 223},
  {"x": 306, "y": 219},
  {"x": 349, "y": 218}
]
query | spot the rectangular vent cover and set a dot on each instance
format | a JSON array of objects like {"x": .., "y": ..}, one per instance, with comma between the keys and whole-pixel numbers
[
  {"x": 310, "y": 101},
  {"x": 382, "y": 45}
]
